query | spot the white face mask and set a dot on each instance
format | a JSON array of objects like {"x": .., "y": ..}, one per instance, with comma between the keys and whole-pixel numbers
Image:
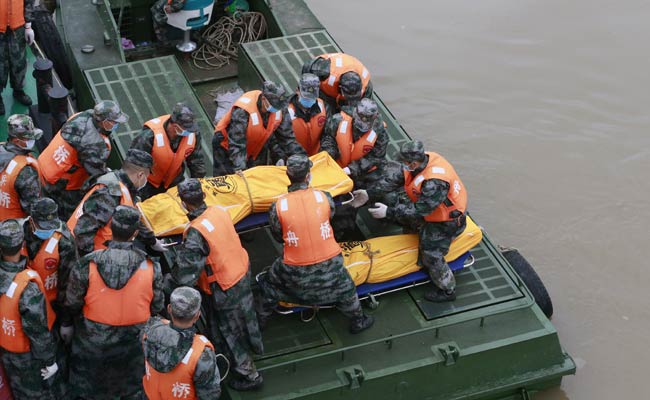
[
  {"x": 143, "y": 184},
  {"x": 29, "y": 144}
]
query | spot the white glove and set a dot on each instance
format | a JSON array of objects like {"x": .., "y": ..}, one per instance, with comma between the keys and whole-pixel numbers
[
  {"x": 346, "y": 170},
  {"x": 360, "y": 198},
  {"x": 29, "y": 33},
  {"x": 161, "y": 246},
  {"x": 66, "y": 333},
  {"x": 280, "y": 163},
  {"x": 49, "y": 371},
  {"x": 378, "y": 211}
]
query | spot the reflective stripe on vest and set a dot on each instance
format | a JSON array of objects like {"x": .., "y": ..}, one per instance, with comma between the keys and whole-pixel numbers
[
  {"x": 46, "y": 264},
  {"x": 308, "y": 133},
  {"x": 104, "y": 233},
  {"x": 348, "y": 150},
  {"x": 129, "y": 305},
  {"x": 256, "y": 133},
  {"x": 9, "y": 200},
  {"x": 179, "y": 382},
  {"x": 305, "y": 219},
  {"x": 167, "y": 164},
  {"x": 340, "y": 63},
  {"x": 227, "y": 261},
  {"x": 12, "y": 14},
  {"x": 438, "y": 168},
  {"x": 12, "y": 335}
]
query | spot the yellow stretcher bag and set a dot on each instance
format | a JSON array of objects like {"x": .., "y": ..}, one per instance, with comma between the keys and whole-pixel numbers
[{"x": 252, "y": 191}]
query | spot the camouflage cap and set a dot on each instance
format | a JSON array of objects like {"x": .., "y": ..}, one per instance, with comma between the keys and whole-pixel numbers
[
  {"x": 364, "y": 114},
  {"x": 21, "y": 126},
  {"x": 44, "y": 212},
  {"x": 183, "y": 115},
  {"x": 350, "y": 84},
  {"x": 411, "y": 151},
  {"x": 11, "y": 234},
  {"x": 125, "y": 218},
  {"x": 274, "y": 93},
  {"x": 298, "y": 166},
  {"x": 309, "y": 86},
  {"x": 140, "y": 158},
  {"x": 185, "y": 302},
  {"x": 190, "y": 191},
  {"x": 318, "y": 66},
  {"x": 110, "y": 110}
]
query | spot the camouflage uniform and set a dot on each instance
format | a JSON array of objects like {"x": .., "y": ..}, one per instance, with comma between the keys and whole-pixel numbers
[
  {"x": 28, "y": 183},
  {"x": 235, "y": 158},
  {"x": 24, "y": 369},
  {"x": 13, "y": 59},
  {"x": 107, "y": 361},
  {"x": 159, "y": 17}
]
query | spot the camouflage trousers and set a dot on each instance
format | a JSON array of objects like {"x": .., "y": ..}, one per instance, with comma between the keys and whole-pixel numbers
[
  {"x": 13, "y": 60},
  {"x": 234, "y": 328},
  {"x": 24, "y": 374},
  {"x": 435, "y": 239},
  {"x": 324, "y": 283},
  {"x": 67, "y": 200},
  {"x": 221, "y": 159}
]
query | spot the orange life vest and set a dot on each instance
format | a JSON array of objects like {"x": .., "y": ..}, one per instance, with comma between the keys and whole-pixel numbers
[
  {"x": 308, "y": 133},
  {"x": 12, "y": 14},
  {"x": 305, "y": 219},
  {"x": 256, "y": 133},
  {"x": 9, "y": 199},
  {"x": 340, "y": 64},
  {"x": 438, "y": 168},
  {"x": 348, "y": 149},
  {"x": 104, "y": 233},
  {"x": 227, "y": 260},
  {"x": 59, "y": 157},
  {"x": 46, "y": 264},
  {"x": 12, "y": 335},
  {"x": 130, "y": 305},
  {"x": 167, "y": 163},
  {"x": 179, "y": 382}
]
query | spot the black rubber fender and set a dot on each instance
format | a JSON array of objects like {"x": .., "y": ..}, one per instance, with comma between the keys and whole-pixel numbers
[
  {"x": 530, "y": 278},
  {"x": 49, "y": 40}
]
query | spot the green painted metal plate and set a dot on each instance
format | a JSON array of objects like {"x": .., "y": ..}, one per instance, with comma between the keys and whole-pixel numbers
[
  {"x": 147, "y": 89},
  {"x": 13, "y": 107}
]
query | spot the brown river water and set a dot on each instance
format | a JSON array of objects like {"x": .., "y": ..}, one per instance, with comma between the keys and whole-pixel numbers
[{"x": 542, "y": 106}]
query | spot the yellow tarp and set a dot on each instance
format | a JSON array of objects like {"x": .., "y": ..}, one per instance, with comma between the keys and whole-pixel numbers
[
  {"x": 254, "y": 191},
  {"x": 389, "y": 257}
]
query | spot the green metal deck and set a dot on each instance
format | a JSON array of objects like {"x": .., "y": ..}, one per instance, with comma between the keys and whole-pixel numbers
[{"x": 11, "y": 106}]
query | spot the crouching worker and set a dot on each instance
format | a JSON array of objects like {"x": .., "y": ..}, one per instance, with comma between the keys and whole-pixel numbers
[
  {"x": 179, "y": 363},
  {"x": 311, "y": 271}
]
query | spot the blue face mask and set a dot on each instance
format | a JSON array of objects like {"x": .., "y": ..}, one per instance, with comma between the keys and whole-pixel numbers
[
  {"x": 115, "y": 127},
  {"x": 307, "y": 103},
  {"x": 185, "y": 133},
  {"x": 44, "y": 233},
  {"x": 272, "y": 109}
]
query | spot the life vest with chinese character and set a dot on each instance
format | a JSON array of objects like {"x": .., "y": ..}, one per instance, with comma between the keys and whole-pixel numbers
[
  {"x": 349, "y": 150},
  {"x": 167, "y": 164},
  {"x": 179, "y": 382},
  {"x": 9, "y": 199},
  {"x": 12, "y": 14},
  {"x": 256, "y": 133},
  {"x": 308, "y": 133},
  {"x": 12, "y": 335},
  {"x": 438, "y": 168},
  {"x": 305, "y": 219},
  {"x": 339, "y": 65},
  {"x": 130, "y": 305},
  {"x": 59, "y": 161},
  {"x": 46, "y": 264},
  {"x": 104, "y": 233},
  {"x": 227, "y": 261}
]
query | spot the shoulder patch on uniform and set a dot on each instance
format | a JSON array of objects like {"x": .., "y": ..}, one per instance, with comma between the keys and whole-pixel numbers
[
  {"x": 255, "y": 119},
  {"x": 186, "y": 359},
  {"x": 207, "y": 225}
]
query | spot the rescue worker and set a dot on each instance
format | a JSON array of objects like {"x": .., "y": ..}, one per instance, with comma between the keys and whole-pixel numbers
[
  {"x": 51, "y": 250},
  {"x": 159, "y": 12},
  {"x": 28, "y": 348},
  {"x": 436, "y": 210},
  {"x": 344, "y": 80},
  {"x": 308, "y": 114},
  {"x": 167, "y": 346},
  {"x": 242, "y": 135},
  {"x": 112, "y": 293},
  {"x": 79, "y": 151},
  {"x": 310, "y": 272},
  {"x": 173, "y": 140},
  {"x": 19, "y": 172},
  {"x": 212, "y": 258},
  {"x": 15, "y": 33},
  {"x": 90, "y": 223}
]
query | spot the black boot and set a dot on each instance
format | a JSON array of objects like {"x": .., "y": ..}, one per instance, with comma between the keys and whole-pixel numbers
[
  {"x": 22, "y": 97},
  {"x": 440, "y": 296},
  {"x": 2, "y": 107},
  {"x": 243, "y": 383},
  {"x": 358, "y": 325}
]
